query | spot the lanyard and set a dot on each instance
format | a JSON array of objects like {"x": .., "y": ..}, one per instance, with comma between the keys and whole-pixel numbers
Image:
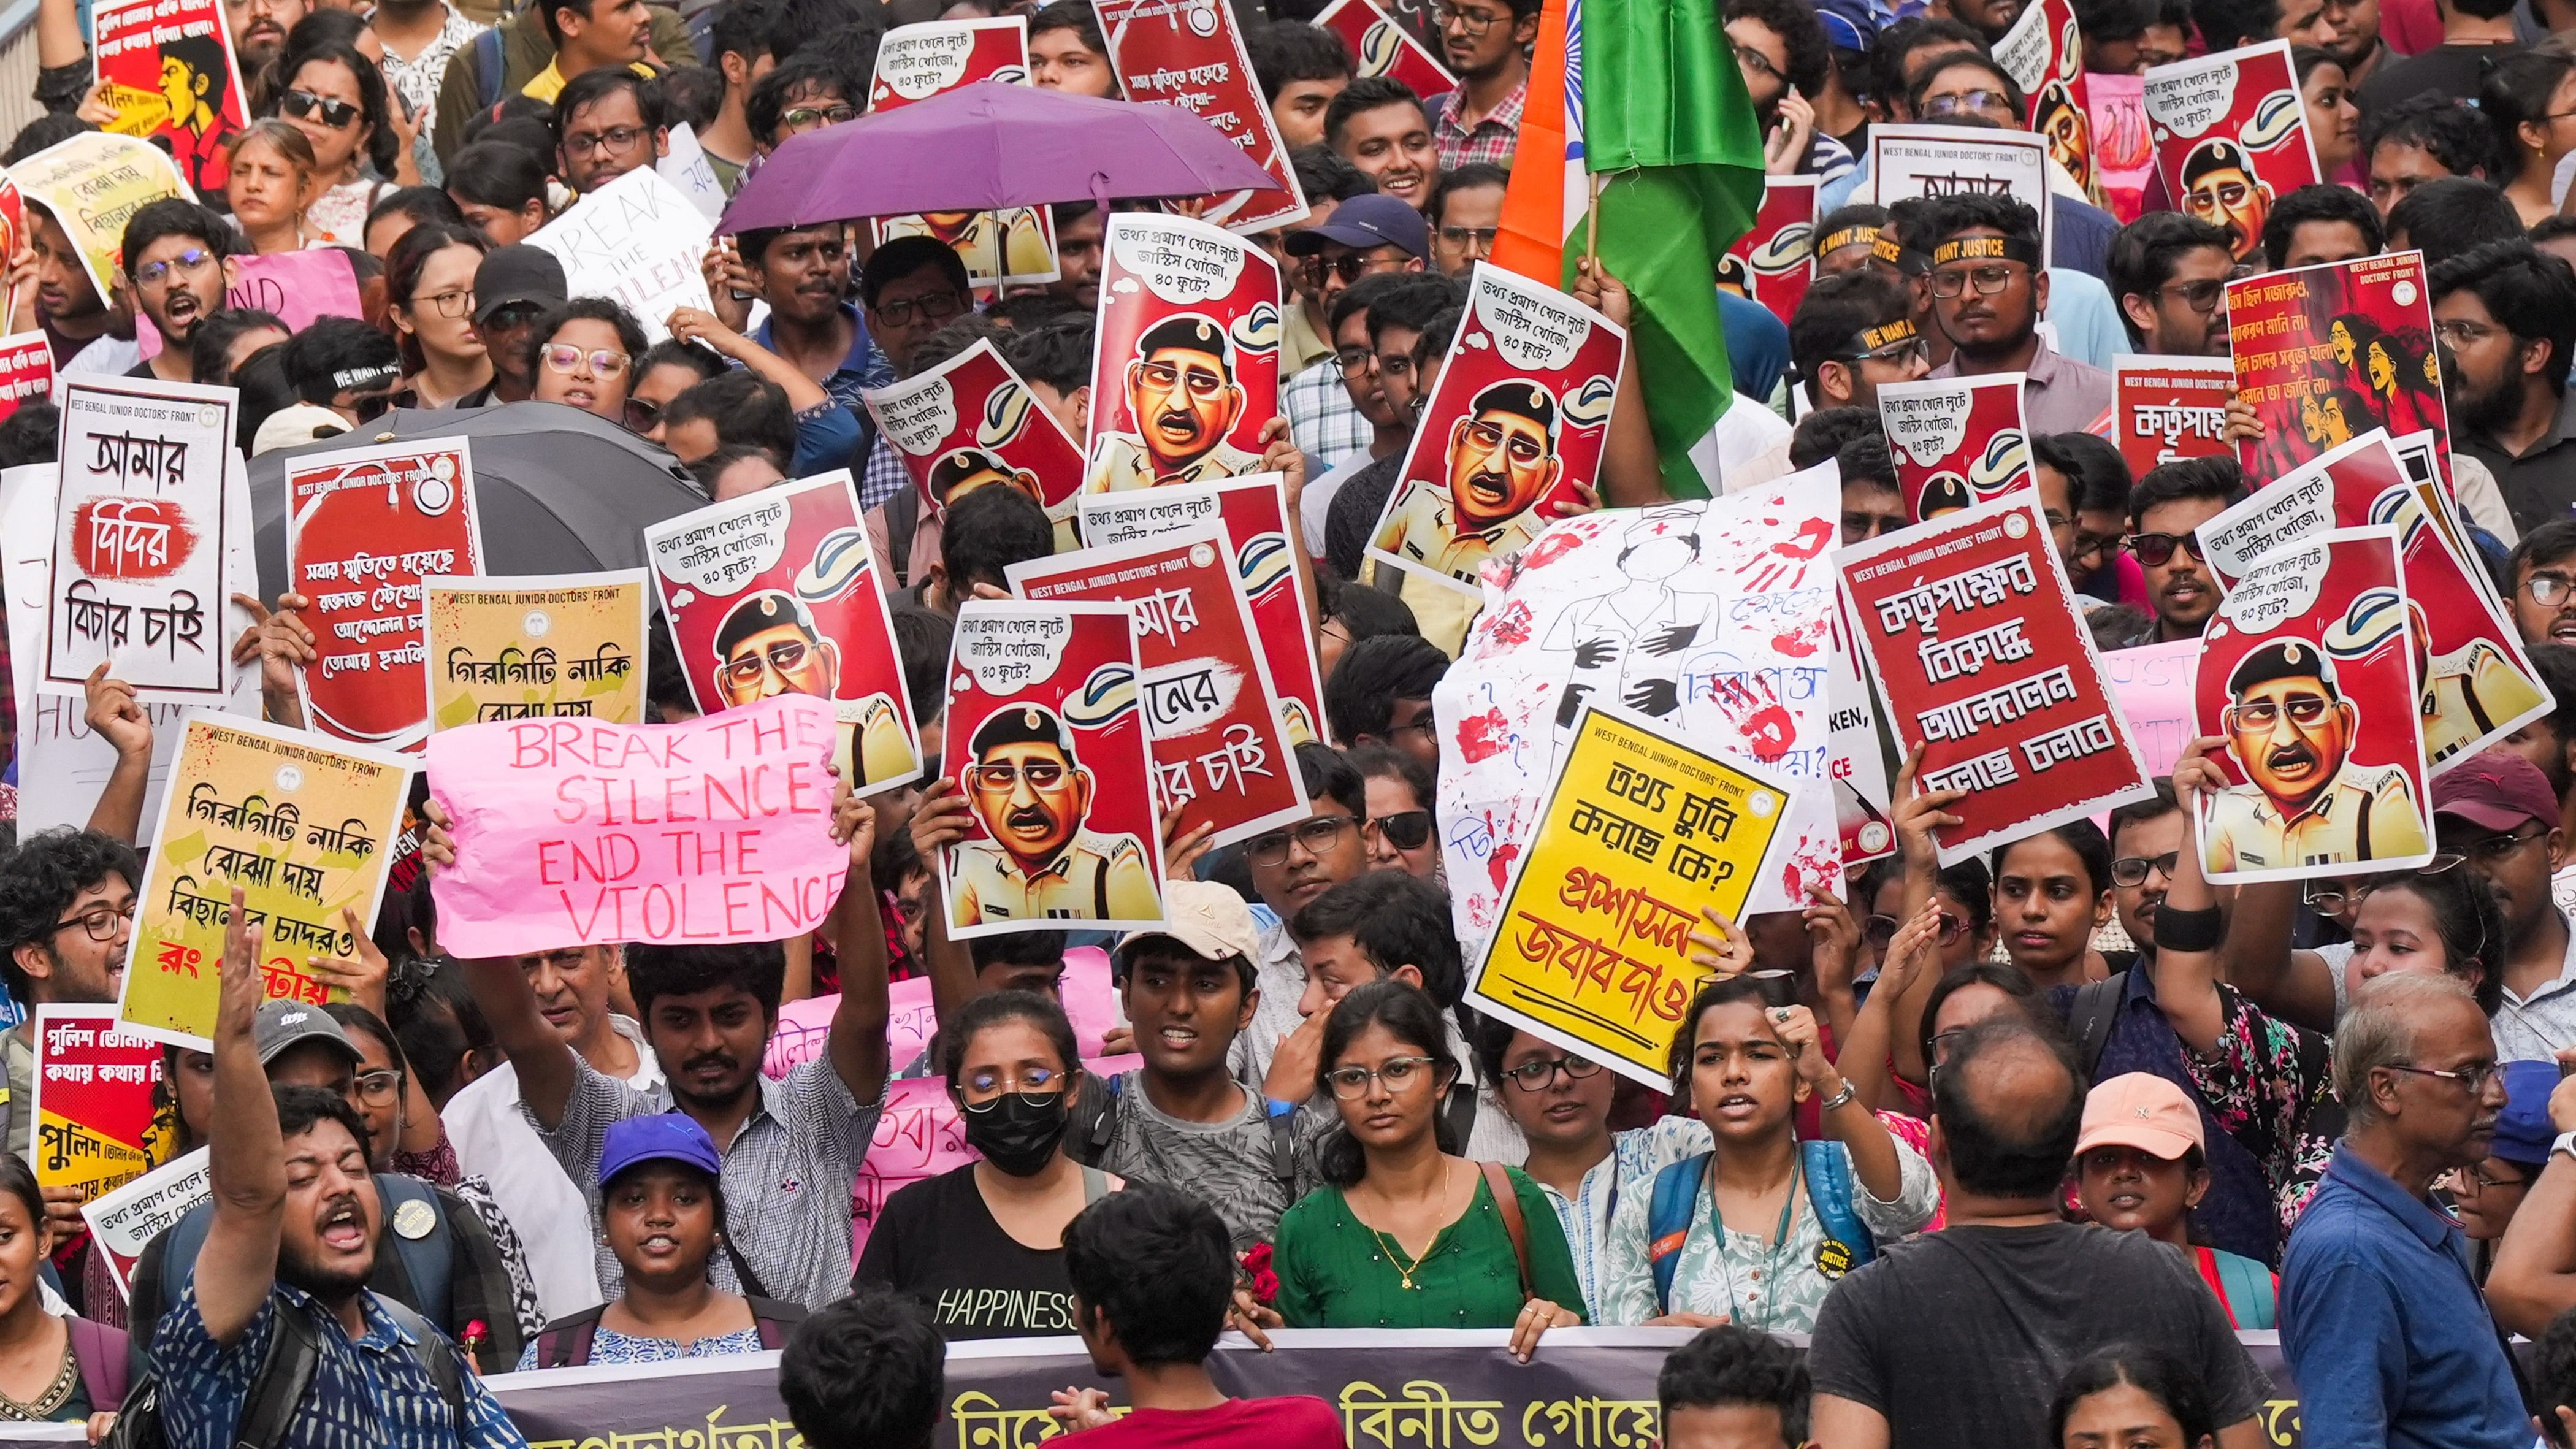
[{"x": 1771, "y": 1259}]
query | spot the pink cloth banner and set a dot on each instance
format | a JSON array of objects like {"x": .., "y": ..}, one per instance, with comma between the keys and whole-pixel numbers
[{"x": 802, "y": 1025}]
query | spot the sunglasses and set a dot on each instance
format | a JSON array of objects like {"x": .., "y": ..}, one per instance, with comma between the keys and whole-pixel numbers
[
  {"x": 2156, "y": 549},
  {"x": 1879, "y": 930},
  {"x": 1349, "y": 268},
  {"x": 1405, "y": 829},
  {"x": 642, "y": 416},
  {"x": 306, "y": 106}
]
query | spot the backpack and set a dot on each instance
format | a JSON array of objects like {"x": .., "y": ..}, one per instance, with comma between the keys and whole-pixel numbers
[
  {"x": 488, "y": 68},
  {"x": 2089, "y": 1019},
  {"x": 285, "y": 1373},
  {"x": 565, "y": 1343},
  {"x": 1824, "y": 1166}
]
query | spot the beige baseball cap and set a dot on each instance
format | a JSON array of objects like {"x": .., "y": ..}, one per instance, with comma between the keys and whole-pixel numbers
[{"x": 1208, "y": 919}]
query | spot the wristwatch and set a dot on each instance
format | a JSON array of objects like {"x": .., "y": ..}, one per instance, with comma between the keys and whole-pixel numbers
[{"x": 2566, "y": 1142}]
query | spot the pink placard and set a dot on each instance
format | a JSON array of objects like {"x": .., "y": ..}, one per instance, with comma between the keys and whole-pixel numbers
[
  {"x": 2153, "y": 686},
  {"x": 297, "y": 286},
  {"x": 803, "y": 1025}
]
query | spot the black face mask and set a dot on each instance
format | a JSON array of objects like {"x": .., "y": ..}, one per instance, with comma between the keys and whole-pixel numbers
[{"x": 1017, "y": 1132}]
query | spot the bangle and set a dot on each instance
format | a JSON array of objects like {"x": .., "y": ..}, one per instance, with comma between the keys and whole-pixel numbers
[
  {"x": 1840, "y": 1099},
  {"x": 2180, "y": 930}
]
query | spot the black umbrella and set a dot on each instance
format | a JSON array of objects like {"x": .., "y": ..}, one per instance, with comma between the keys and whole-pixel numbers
[{"x": 558, "y": 490}]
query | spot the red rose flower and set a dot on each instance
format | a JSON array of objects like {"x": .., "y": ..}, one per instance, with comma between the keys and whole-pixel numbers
[{"x": 1256, "y": 1266}]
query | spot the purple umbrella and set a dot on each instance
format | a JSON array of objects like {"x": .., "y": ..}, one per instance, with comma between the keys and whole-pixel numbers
[{"x": 987, "y": 147}]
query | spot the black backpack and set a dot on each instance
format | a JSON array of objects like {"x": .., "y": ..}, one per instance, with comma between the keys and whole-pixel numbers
[{"x": 285, "y": 1374}]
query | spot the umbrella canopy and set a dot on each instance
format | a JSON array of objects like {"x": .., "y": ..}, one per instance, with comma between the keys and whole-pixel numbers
[
  {"x": 558, "y": 490},
  {"x": 986, "y": 147}
]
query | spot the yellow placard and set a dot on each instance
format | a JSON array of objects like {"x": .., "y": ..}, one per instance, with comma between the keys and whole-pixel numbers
[
  {"x": 93, "y": 184},
  {"x": 533, "y": 648},
  {"x": 304, "y": 829},
  {"x": 70, "y": 1155},
  {"x": 1592, "y": 948}
]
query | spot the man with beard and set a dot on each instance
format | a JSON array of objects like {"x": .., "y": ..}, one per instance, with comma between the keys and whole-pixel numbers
[
  {"x": 2219, "y": 187},
  {"x": 1487, "y": 43},
  {"x": 75, "y": 320},
  {"x": 1037, "y": 861},
  {"x": 768, "y": 646},
  {"x": 2290, "y": 732},
  {"x": 259, "y": 29},
  {"x": 1182, "y": 399},
  {"x": 2170, "y": 273},
  {"x": 1500, "y": 462},
  {"x": 178, "y": 265},
  {"x": 1988, "y": 291},
  {"x": 2506, "y": 317},
  {"x": 294, "y": 1233},
  {"x": 2165, "y": 509}
]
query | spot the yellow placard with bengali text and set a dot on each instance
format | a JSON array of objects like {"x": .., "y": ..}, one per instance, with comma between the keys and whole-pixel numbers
[
  {"x": 534, "y": 648},
  {"x": 303, "y": 827},
  {"x": 1640, "y": 832},
  {"x": 93, "y": 183}
]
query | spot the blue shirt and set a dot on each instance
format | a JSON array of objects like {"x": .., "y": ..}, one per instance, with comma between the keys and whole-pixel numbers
[
  {"x": 864, "y": 368},
  {"x": 366, "y": 1392},
  {"x": 2383, "y": 1327}
]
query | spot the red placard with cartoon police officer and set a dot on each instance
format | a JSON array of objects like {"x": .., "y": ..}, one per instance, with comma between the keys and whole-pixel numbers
[
  {"x": 916, "y": 62},
  {"x": 1185, "y": 360},
  {"x": 2231, "y": 137},
  {"x": 1774, "y": 262},
  {"x": 1957, "y": 441},
  {"x": 2044, "y": 52}
]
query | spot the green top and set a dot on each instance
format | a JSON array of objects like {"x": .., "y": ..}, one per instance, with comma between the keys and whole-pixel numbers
[{"x": 1334, "y": 1273}]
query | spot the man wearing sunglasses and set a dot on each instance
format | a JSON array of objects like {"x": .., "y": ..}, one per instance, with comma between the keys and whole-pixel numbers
[
  {"x": 1037, "y": 861},
  {"x": 2290, "y": 732},
  {"x": 2170, "y": 273},
  {"x": 178, "y": 263},
  {"x": 1988, "y": 291},
  {"x": 2165, "y": 509},
  {"x": 1366, "y": 236},
  {"x": 2220, "y": 187},
  {"x": 1182, "y": 400},
  {"x": 768, "y": 646}
]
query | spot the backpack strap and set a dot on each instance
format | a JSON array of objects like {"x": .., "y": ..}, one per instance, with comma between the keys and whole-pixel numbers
[
  {"x": 1498, "y": 1181},
  {"x": 2088, "y": 1020},
  {"x": 1095, "y": 1185},
  {"x": 285, "y": 1372},
  {"x": 436, "y": 1353},
  {"x": 1460, "y": 1110},
  {"x": 100, "y": 1352},
  {"x": 1668, "y": 1221},
  {"x": 775, "y": 1319},
  {"x": 565, "y": 1343},
  {"x": 1283, "y": 1143},
  {"x": 1830, "y": 1194},
  {"x": 2248, "y": 1288},
  {"x": 487, "y": 68},
  {"x": 429, "y": 1260}
]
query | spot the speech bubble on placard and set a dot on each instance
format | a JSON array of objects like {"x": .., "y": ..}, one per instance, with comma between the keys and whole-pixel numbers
[
  {"x": 2193, "y": 102},
  {"x": 2283, "y": 587},
  {"x": 921, "y": 66},
  {"x": 1540, "y": 339},
  {"x": 920, "y": 422},
  {"x": 1928, "y": 426},
  {"x": 1178, "y": 265},
  {"x": 1012, "y": 651},
  {"x": 722, "y": 570}
]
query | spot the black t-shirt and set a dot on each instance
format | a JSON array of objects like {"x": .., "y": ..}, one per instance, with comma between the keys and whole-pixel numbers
[
  {"x": 1959, "y": 1337},
  {"x": 1354, "y": 512},
  {"x": 2453, "y": 71},
  {"x": 938, "y": 1242}
]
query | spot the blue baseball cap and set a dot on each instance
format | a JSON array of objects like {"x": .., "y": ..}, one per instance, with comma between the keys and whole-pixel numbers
[
  {"x": 667, "y": 1137},
  {"x": 1374, "y": 220},
  {"x": 2523, "y": 1132},
  {"x": 1848, "y": 24}
]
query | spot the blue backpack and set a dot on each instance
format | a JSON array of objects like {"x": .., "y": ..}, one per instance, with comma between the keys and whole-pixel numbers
[{"x": 1824, "y": 1165}]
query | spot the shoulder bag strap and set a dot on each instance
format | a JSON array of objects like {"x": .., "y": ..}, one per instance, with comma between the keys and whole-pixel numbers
[
  {"x": 1498, "y": 1181},
  {"x": 285, "y": 1372}
]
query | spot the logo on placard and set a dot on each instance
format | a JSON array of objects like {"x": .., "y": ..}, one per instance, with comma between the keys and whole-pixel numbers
[
  {"x": 435, "y": 491},
  {"x": 535, "y": 624},
  {"x": 290, "y": 778}
]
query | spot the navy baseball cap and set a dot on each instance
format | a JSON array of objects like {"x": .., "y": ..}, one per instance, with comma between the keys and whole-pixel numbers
[
  {"x": 665, "y": 1137},
  {"x": 1848, "y": 24},
  {"x": 1375, "y": 220},
  {"x": 2523, "y": 1133}
]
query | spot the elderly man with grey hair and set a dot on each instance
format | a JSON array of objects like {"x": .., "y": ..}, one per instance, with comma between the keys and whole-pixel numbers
[{"x": 2381, "y": 1319}]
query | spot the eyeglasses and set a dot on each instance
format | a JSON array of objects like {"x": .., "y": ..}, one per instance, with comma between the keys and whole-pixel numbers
[
  {"x": 99, "y": 921},
  {"x": 2156, "y": 549},
  {"x": 1397, "y": 1073},
  {"x": 1535, "y": 1076},
  {"x": 2133, "y": 870},
  {"x": 1040, "y": 775},
  {"x": 1900, "y": 352},
  {"x": 2549, "y": 590},
  {"x": 1350, "y": 267},
  {"x": 1405, "y": 829},
  {"x": 2091, "y": 545},
  {"x": 935, "y": 307},
  {"x": 2475, "y": 1179},
  {"x": 805, "y": 118},
  {"x": 1165, "y": 377},
  {"x": 1490, "y": 438},
  {"x": 2201, "y": 296},
  {"x": 1479, "y": 237},
  {"x": 2463, "y": 334},
  {"x": 1953, "y": 104},
  {"x": 642, "y": 414},
  {"x": 1472, "y": 22},
  {"x": 609, "y": 142},
  {"x": 379, "y": 1086},
  {"x": 564, "y": 357},
  {"x": 1354, "y": 361},
  {"x": 448, "y": 304},
  {"x": 1756, "y": 62},
  {"x": 785, "y": 656},
  {"x": 1879, "y": 930},
  {"x": 193, "y": 260},
  {"x": 1317, "y": 835},
  {"x": 2497, "y": 847},
  {"x": 306, "y": 106},
  {"x": 1990, "y": 278},
  {"x": 984, "y": 1089},
  {"x": 2474, "y": 1076}
]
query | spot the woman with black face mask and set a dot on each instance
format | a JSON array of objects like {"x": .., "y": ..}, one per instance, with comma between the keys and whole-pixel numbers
[{"x": 983, "y": 1246}]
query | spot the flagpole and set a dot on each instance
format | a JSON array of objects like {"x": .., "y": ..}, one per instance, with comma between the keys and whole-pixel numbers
[{"x": 1592, "y": 219}]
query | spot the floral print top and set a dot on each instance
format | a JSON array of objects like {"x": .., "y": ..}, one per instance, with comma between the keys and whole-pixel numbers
[{"x": 2267, "y": 1083}]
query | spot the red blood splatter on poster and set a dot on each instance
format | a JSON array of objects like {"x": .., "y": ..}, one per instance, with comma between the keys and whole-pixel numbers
[
  {"x": 1499, "y": 865},
  {"x": 1483, "y": 736},
  {"x": 1809, "y": 540}
]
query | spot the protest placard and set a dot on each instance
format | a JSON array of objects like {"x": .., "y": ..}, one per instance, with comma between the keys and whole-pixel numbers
[
  {"x": 1986, "y": 665},
  {"x": 912, "y": 1018},
  {"x": 972, "y": 421},
  {"x": 1382, "y": 46},
  {"x": 2326, "y": 353},
  {"x": 2153, "y": 685},
  {"x": 2124, "y": 154},
  {"x": 684, "y": 164},
  {"x": 144, "y": 560},
  {"x": 2309, "y": 675},
  {"x": 298, "y": 824},
  {"x": 1191, "y": 55},
  {"x": 1854, "y": 761},
  {"x": 545, "y": 646},
  {"x": 2231, "y": 135},
  {"x": 712, "y": 831},
  {"x": 1774, "y": 262},
  {"x": 1956, "y": 441},
  {"x": 364, "y": 528},
  {"x": 637, "y": 241},
  {"x": 915, "y": 62},
  {"x": 2044, "y": 55},
  {"x": 1254, "y": 512},
  {"x": 1513, "y": 427},
  {"x": 777, "y": 593},
  {"x": 95, "y": 1127},
  {"x": 297, "y": 287},
  {"x": 125, "y": 1222},
  {"x": 168, "y": 72},
  {"x": 13, "y": 235},
  {"x": 93, "y": 184},
  {"x": 2167, "y": 409},
  {"x": 1185, "y": 355},
  {"x": 1220, "y": 750},
  {"x": 26, "y": 370},
  {"x": 1049, "y": 750},
  {"x": 1640, "y": 833},
  {"x": 1910, "y": 161}
]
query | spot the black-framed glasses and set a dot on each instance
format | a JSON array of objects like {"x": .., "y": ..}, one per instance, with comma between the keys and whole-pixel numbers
[
  {"x": 1756, "y": 62},
  {"x": 785, "y": 656},
  {"x": 564, "y": 357},
  {"x": 306, "y": 106},
  {"x": 2155, "y": 550},
  {"x": 99, "y": 921},
  {"x": 379, "y": 1086},
  {"x": 1989, "y": 278},
  {"x": 1398, "y": 1073},
  {"x": 1879, "y": 930},
  {"x": 805, "y": 118},
  {"x": 1471, "y": 22},
  {"x": 2201, "y": 296},
  {"x": 616, "y": 140},
  {"x": 1317, "y": 835},
  {"x": 1354, "y": 360},
  {"x": 934, "y": 307},
  {"x": 1536, "y": 1076},
  {"x": 190, "y": 261},
  {"x": 2549, "y": 590},
  {"x": 1897, "y": 352},
  {"x": 2133, "y": 870},
  {"x": 2474, "y": 1076},
  {"x": 2475, "y": 1178},
  {"x": 1405, "y": 829}
]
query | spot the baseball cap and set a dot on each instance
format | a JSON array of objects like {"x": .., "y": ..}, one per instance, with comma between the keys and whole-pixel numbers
[
  {"x": 2144, "y": 1111},
  {"x": 1848, "y": 24},
  {"x": 1375, "y": 220},
  {"x": 2496, "y": 790},
  {"x": 2523, "y": 1130},
  {"x": 1208, "y": 920},
  {"x": 284, "y": 1025},
  {"x": 295, "y": 425},
  {"x": 517, "y": 273},
  {"x": 663, "y": 1137}
]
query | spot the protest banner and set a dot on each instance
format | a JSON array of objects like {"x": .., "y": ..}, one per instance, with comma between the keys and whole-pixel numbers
[
  {"x": 1910, "y": 161},
  {"x": 713, "y": 831},
  {"x": 545, "y": 646},
  {"x": 1956, "y": 441},
  {"x": 2478, "y": 684},
  {"x": 1712, "y": 618},
  {"x": 2044, "y": 55},
  {"x": 168, "y": 71},
  {"x": 912, "y": 1021},
  {"x": 1511, "y": 430},
  {"x": 929, "y": 58},
  {"x": 1773, "y": 263},
  {"x": 684, "y": 164},
  {"x": 1855, "y": 763},
  {"x": 297, "y": 287},
  {"x": 95, "y": 1127},
  {"x": 93, "y": 184},
  {"x": 26, "y": 370},
  {"x": 1986, "y": 665},
  {"x": 1185, "y": 356},
  {"x": 972, "y": 421},
  {"x": 365, "y": 527},
  {"x": 2124, "y": 148},
  {"x": 144, "y": 561},
  {"x": 2326, "y": 353},
  {"x": 1049, "y": 750},
  {"x": 777, "y": 593},
  {"x": 124, "y": 1222},
  {"x": 2231, "y": 136},
  {"x": 2153, "y": 684},
  {"x": 1382, "y": 46},
  {"x": 1640, "y": 832},
  {"x": 636, "y": 241},
  {"x": 298, "y": 824},
  {"x": 2308, "y": 672},
  {"x": 1220, "y": 750},
  {"x": 1254, "y": 511},
  {"x": 1191, "y": 55},
  {"x": 2167, "y": 409}
]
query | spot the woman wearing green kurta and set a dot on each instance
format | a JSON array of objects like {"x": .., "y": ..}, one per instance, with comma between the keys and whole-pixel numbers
[{"x": 1407, "y": 1234}]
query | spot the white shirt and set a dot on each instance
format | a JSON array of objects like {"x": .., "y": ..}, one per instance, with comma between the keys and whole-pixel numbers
[
  {"x": 494, "y": 1141},
  {"x": 1636, "y": 1156},
  {"x": 107, "y": 356}
]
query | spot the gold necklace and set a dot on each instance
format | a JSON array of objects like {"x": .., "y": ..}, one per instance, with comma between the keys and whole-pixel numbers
[{"x": 1403, "y": 1271}]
